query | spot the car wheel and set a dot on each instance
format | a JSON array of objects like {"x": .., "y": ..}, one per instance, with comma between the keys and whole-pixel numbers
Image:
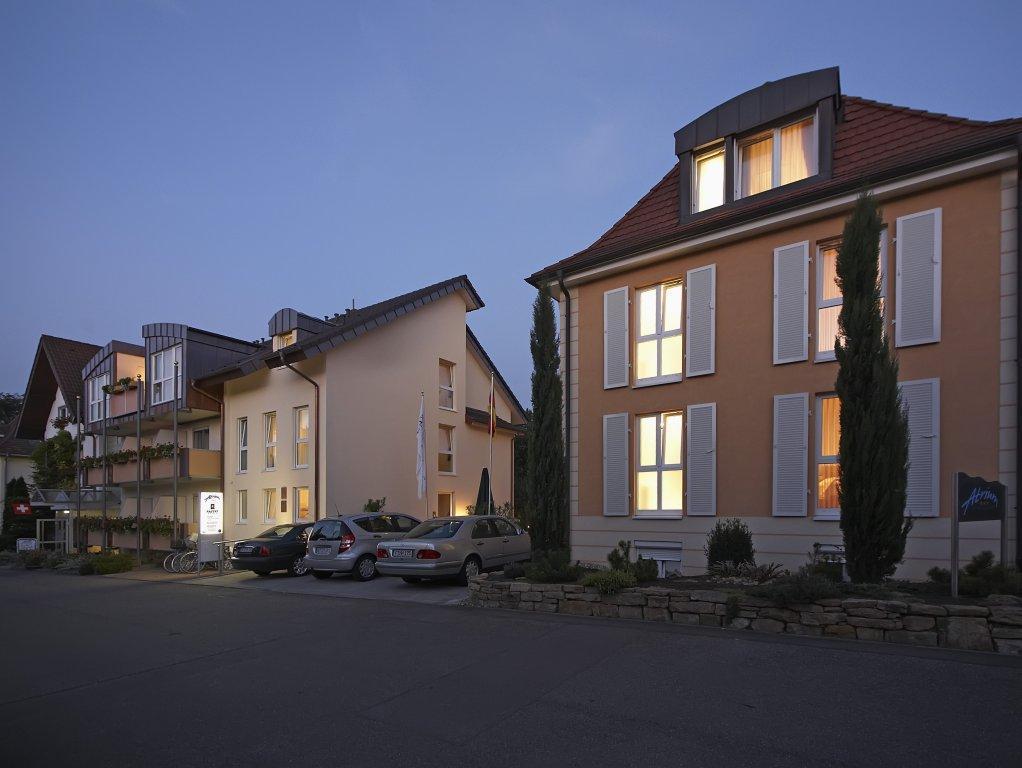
[
  {"x": 472, "y": 567},
  {"x": 322, "y": 574},
  {"x": 411, "y": 579},
  {"x": 298, "y": 567},
  {"x": 365, "y": 568},
  {"x": 262, "y": 573}
]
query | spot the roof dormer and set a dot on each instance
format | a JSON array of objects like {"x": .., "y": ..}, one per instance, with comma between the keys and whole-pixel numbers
[
  {"x": 759, "y": 143},
  {"x": 289, "y": 326}
]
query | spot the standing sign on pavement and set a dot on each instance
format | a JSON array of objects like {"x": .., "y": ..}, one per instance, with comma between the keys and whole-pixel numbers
[{"x": 211, "y": 526}]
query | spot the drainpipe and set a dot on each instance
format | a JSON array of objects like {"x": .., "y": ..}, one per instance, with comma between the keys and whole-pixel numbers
[
  {"x": 1018, "y": 358},
  {"x": 315, "y": 458},
  {"x": 223, "y": 481},
  {"x": 567, "y": 400}
]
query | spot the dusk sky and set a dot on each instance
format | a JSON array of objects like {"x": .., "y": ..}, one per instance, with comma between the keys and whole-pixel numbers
[{"x": 211, "y": 162}]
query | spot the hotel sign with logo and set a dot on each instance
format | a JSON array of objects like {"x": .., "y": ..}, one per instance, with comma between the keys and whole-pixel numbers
[{"x": 979, "y": 499}]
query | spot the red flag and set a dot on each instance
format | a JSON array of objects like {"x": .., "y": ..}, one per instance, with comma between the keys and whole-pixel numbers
[{"x": 22, "y": 508}]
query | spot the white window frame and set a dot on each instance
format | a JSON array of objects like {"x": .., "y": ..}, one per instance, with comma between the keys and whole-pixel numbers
[
  {"x": 453, "y": 452},
  {"x": 775, "y": 160},
  {"x": 269, "y": 505},
  {"x": 243, "y": 445},
  {"x": 299, "y": 440},
  {"x": 296, "y": 504},
  {"x": 97, "y": 396},
  {"x": 822, "y": 513},
  {"x": 660, "y": 334},
  {"x": 441, "y": 387},
  {"x": 209, "y": 437},
  {"x": 270, "y": 445},
  {"x": 821, "y": 303},
  {"x": 705, "y": 154},
  {"x": 660, "y": 467},
  {"x": 166, "y": 382},
  {"x": 242, "y": 512}
]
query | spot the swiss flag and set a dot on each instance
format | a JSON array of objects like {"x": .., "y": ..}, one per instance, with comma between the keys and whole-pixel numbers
[{"x": 22, "y": 508}]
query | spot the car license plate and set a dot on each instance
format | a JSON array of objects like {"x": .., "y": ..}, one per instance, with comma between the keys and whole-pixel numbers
[
  {"x": 321, "y": 550},
  {"x": 401, "y": 552},
  {"x": 243, "y": 551}
]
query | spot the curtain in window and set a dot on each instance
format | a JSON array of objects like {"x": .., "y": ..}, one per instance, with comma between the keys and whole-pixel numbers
[
  {"x": 757, "y": 164},
  {"x": 796, "y": 151}
]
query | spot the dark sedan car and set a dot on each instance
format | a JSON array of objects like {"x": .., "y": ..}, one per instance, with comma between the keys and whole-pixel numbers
[{"x": 280, "y": 548}]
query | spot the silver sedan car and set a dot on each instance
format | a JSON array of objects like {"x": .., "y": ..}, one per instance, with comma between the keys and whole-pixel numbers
[
  {"x": 348, "y": 544},
  {"x": 460, "y": 547}
]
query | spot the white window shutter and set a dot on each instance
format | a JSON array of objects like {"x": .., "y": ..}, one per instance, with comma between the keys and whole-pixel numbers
[
  {"x": 701, "y": 465},
  {"x": 791, "y": 457},
  {"x": 700, "y": 321},
  {"x": 615, "y": 338},
  {"x": 917, "y": 303},
  {"x": 921, "y": 401},
  {"x": 615, "y": 465},
  {"x": 791, "y": 303}
]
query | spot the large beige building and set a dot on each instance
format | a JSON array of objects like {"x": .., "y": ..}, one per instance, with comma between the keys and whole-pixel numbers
[
  {"x": 324, "y": 416},
  {"x": 700, "y": 328}
]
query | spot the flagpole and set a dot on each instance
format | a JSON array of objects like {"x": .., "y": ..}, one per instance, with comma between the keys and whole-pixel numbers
[{"x": 489, "y": 466}]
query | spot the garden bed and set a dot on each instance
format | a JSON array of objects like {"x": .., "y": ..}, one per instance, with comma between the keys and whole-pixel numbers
[{"x": 991, "y": 624}]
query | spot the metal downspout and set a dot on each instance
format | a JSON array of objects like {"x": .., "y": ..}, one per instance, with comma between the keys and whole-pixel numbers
[
  {"x": 567, "y": 402},
  {"x": 1018, "y": 357},
  {"x": 315, "y": 448}
]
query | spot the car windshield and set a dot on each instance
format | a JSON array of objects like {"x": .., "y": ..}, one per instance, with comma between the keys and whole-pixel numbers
[
  {"x": 277, "y": 532},
  {"x": 435, "y": 529}
]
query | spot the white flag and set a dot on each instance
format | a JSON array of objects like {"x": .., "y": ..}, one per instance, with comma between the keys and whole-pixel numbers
[{"x": 420, "y": 447}]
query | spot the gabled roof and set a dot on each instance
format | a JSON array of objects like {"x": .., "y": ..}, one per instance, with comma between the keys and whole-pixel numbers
[
  {"x": 58, "y": 365},
  {"x": 488, "y": 362},
  {"x": 345, "y": 327},
  {"x": 872, "y": 142}
]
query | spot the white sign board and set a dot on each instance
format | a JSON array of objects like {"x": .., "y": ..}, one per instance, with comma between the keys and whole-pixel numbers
[
  {"x": 27, "y": 545},
  {"x": 211, "y": 513}
]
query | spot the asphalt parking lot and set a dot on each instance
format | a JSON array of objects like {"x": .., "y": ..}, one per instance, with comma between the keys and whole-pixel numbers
[{"x": 105, "y": 671}]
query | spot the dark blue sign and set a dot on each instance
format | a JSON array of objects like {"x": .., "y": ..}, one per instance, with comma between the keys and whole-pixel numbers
[{"x": 979, "y": 499}]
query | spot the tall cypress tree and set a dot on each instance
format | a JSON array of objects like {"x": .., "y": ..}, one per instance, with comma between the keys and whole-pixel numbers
[
  {"x": 545, "y": 476},
  {"x": 873, "y": 449}
]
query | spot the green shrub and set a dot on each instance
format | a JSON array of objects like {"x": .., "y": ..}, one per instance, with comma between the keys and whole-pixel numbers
[
  {"x": 374, "y": 506},
  {"x": 982, "y": 576},
  {"x": 552, "y": 568},
  {"x": 746, "y": 571},
  {"x": 981, "y": 564},
  {"x": 609, "y": 582},
  {"x": 33, "y": 558},
  {"x": 730, "y": 541},
  {"x": 86, "y": 568},
  {"x": 104, "y": 564},
  {"x": 802, "y": 587},
  {"x": 620, "y": 559},
  {"x": 53, "y": 559},
  {"x": 514, "y": 570}
]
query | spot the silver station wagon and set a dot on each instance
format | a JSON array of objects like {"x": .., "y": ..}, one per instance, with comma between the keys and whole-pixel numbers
[
  {"x": 460, "y": 547},
  {"x": 348, "y": 544}
]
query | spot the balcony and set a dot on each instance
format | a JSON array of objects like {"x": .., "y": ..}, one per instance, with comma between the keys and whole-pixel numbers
[{"x": 193, "y": 464}]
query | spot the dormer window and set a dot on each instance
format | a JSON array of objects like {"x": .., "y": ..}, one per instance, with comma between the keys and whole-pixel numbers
[
  {"x": 776, "y": 157},
  {"x": 708, "y": 179}
]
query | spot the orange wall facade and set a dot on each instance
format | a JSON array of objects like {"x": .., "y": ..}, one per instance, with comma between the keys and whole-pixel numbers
[{"x": 967, "y": 361}]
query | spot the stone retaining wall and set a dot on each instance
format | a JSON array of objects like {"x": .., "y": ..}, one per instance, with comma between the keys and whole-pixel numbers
[{"x": 996, "y": 625}]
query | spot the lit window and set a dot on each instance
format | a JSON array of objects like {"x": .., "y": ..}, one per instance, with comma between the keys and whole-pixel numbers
[
  {"x": 243, "y": 445},
  {"x": 242, "y": 507},
  {"x": 445, "y": 451},
  {"x": 658, "y": 352},
  {"x": 659, "y": 480},
  {"x": 300, "y": 502},
  {"x": 447, "y": 385},
  {"x": 709, "y": 180},
  {"x": 270, "y": 433},
  {"x": 282, "y": 340},
  {"x": 829, "y": 299},
  {"x": 269, "y": 505},
  {"x": 828, "y": 438},
  {"x": 163, "y": 374},
  {"x": 781, "y": 156},
  {"x": 97, "y": 397},
  {"x": 302, "y": 436},
  {"x": 445, "y": 504}
]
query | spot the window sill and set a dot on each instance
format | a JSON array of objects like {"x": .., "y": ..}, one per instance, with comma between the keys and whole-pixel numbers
[
  {"x": 301, "y": 466},
  {"x": 241, "y": 472},
  {"x": 822, "y": 358},
  {"x": 445, "y": 408},
  {"x": 657, "y": 381},
  {"x": 829, "y": 517},
  {"x": 447, "y": 474},
  {"x": 269, "y": 469},
  {"x": 657, "y": 516}
]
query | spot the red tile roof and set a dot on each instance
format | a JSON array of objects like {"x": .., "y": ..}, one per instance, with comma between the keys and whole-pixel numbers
[{"x": 870, "y": 140}]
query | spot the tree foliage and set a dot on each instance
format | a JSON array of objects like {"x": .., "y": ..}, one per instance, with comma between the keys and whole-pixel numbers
[
  {"x": 546, "y": 487},
  {"x": 873, "y": 448},
  {"x": 54, "y": 462},
  {"x": 10, "y": 406}
]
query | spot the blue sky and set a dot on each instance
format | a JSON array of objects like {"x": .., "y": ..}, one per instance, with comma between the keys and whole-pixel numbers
[{"x": 211, "y": 162}]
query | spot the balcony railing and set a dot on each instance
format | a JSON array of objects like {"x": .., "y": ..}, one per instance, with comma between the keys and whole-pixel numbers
[{"x": 193, "y": 463}]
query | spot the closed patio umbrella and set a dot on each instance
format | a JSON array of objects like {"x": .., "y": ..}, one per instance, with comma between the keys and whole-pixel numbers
[{"x": 484, "y": 501}]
